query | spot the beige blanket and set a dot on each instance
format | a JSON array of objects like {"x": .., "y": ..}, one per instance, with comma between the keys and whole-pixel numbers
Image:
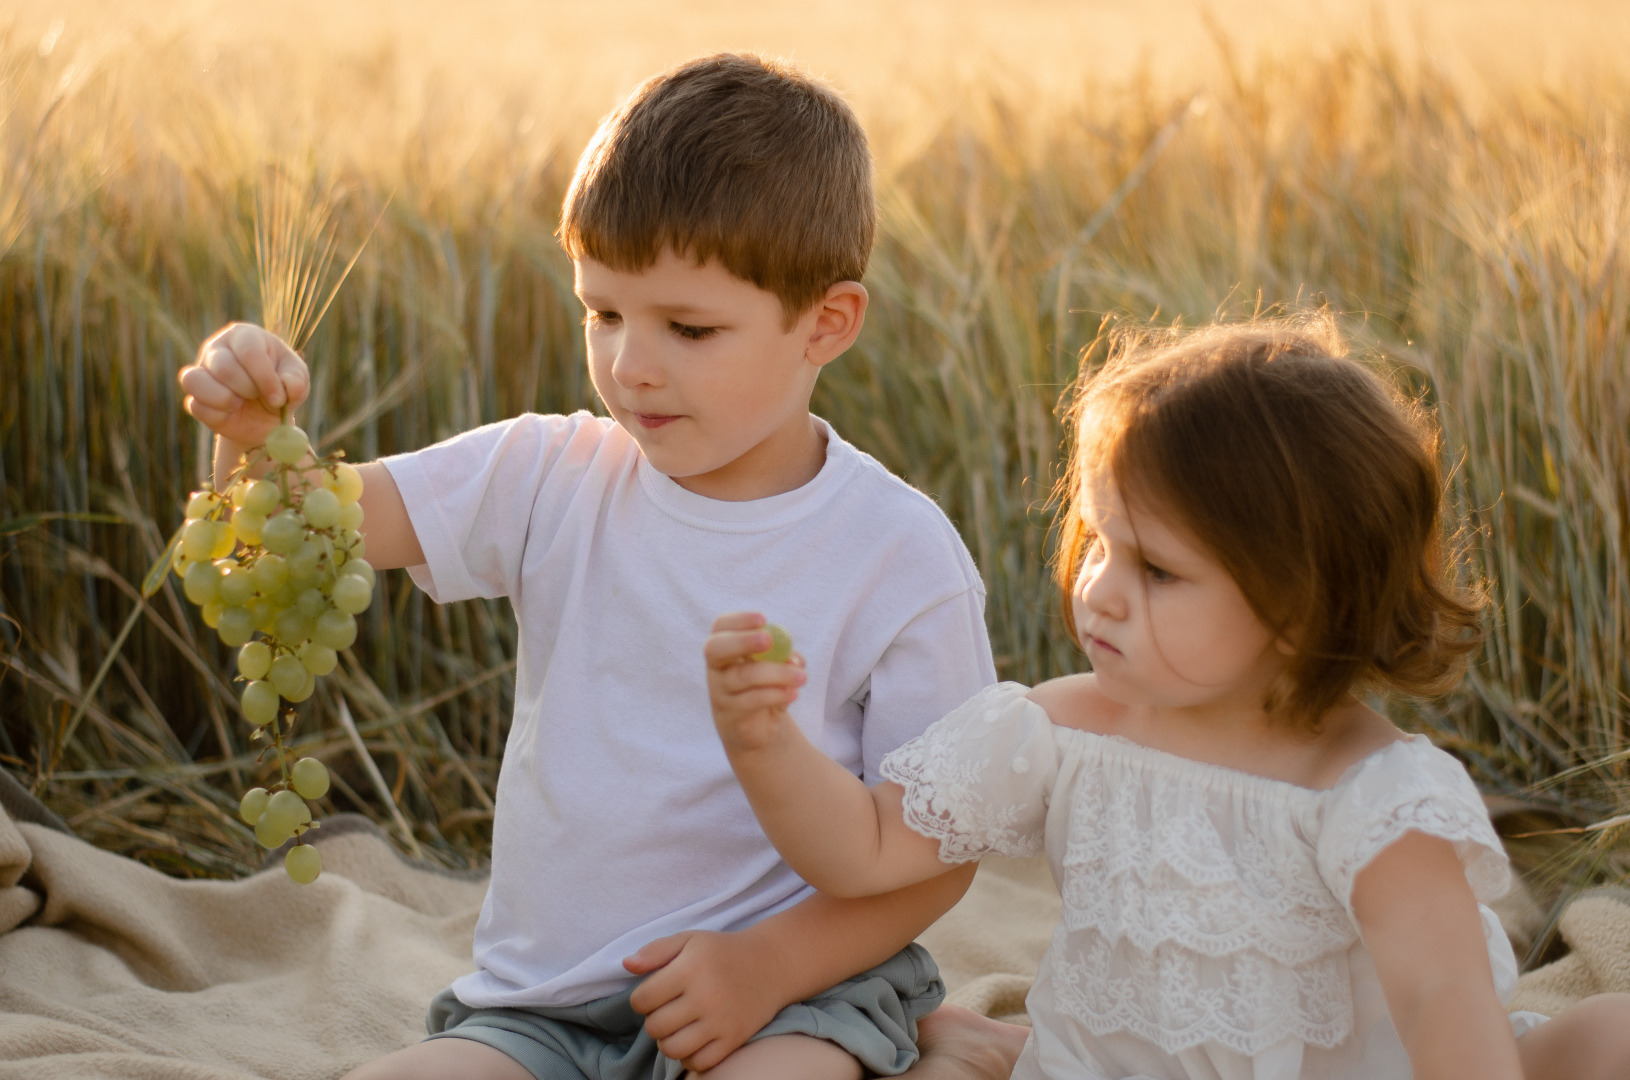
[{"x": 111, "y": 970}]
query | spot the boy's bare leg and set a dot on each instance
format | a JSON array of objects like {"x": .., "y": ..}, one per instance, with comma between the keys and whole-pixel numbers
[
  {"x": 785, "y": 1057},
  {"x": 1590, "y": 1041},
  {"x": 960, "y": 1044},
  {"x": 442, "y": 1059}
]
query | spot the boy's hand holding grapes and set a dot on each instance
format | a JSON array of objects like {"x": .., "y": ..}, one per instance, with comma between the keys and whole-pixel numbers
[
  {"x": 752, "y": 676},
  {"x": 244, "y": 380}
]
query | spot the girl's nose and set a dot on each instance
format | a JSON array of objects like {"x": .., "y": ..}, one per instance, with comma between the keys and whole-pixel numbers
[{"x": 1102, "y": 591}]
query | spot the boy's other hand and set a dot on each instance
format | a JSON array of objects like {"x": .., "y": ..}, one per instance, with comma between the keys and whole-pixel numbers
[
  {"x": 749, "y": 697},
  {"x": 705, "y": 994},
  {"x": 243, "y": 376}
]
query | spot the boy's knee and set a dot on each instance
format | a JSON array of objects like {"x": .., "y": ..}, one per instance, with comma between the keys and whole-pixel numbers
[{"x": 786, "y": 1057}]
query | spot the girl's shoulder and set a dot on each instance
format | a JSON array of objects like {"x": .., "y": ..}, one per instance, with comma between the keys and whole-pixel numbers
[{"x": 1074, "y": 701}]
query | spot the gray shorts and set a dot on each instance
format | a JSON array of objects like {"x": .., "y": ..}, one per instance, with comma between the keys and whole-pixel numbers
[{"x": 873, "y": 1016}]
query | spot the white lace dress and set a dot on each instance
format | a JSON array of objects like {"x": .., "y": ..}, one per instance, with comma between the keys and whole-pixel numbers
[{"x": 1207, "y": 930}]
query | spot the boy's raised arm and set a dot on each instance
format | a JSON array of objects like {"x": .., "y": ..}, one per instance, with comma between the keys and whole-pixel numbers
[{"x": 243, "y": 381}]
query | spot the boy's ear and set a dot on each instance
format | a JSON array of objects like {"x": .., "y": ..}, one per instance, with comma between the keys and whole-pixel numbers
[{"x": 839, "y": 315}]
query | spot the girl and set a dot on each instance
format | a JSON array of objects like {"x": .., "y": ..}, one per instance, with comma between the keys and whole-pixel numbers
[{"x": 1262, "y": 877}]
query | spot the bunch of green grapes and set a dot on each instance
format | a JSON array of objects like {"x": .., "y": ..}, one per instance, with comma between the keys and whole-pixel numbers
[{"x": 276, "y": 566}]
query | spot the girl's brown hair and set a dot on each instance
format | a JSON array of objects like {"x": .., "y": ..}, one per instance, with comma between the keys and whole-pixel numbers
[{"x": 1314, "y": 484}]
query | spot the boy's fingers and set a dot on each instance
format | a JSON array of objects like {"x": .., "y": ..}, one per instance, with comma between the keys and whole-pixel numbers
[
  {"x": 684, "y": 1042},
  {"x": 738, "y": 620},
  {"x": 727, "y": 647},
  {"x": 742, "y": 678},
  {"x": 292, "y": 377},
  {"x": 668, "y": 1018},
  {"x": 705, "y": 1057},
  {"x": 225, "y": 366},
  {"x": 656, "y": 954},
  {"x": 199, "y": 385}
]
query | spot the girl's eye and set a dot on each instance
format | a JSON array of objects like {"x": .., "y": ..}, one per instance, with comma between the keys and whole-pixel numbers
[
  {"x": 693, "y": 333},
  {"x": 594, "y": 318},
  {"x": 1158, "y": 575}
]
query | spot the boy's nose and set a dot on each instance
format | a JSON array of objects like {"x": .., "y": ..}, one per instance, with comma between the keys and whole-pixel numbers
[{"x": 633, "y": 365}]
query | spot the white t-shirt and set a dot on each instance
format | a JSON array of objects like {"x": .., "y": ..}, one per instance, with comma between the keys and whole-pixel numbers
[{"x": 619, "y": 820}]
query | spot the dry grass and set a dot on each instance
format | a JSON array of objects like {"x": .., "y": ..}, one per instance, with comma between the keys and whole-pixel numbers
[{"x": 1461, "y": 199}]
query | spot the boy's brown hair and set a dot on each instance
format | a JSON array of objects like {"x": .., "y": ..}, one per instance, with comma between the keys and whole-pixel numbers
[
  {"x": 1314, "y": 484},
  {"x": 729, "y": 158}
]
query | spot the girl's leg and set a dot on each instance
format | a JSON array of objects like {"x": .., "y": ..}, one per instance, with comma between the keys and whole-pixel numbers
[
  {"x": 960, "y": 1044},
  {"x": 1590, "y": 1041},
  {"x": 785, "y": 1057},
  {"x": 442, "y": 1059}
]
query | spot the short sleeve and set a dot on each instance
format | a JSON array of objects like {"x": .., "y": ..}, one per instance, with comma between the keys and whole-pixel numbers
[
  {"x": 936, "y": 662},
  {"x": 979, "y": 780},
  {"x": 478, "y": 499},
  {"x": 1411, "y": 786}
]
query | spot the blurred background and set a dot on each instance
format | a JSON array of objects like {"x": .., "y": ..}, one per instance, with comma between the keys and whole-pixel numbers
[{"x": 1451, "y": 178}]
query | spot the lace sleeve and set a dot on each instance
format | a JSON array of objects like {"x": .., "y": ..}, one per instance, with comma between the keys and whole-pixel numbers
[
  {"x": 1410, "y": 786},
  {"x": 979, "y": 780}
]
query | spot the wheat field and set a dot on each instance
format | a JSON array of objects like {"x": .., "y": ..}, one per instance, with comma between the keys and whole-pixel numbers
[{"x": 1452, "y": 179}]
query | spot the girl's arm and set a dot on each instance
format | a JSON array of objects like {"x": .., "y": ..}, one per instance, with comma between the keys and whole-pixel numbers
[
  {"x": 842, "y": 837},
  {"x": 1420, "y": 921}
]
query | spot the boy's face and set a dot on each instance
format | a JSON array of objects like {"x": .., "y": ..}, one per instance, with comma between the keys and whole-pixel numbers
[{"x": 699, "y": 367}]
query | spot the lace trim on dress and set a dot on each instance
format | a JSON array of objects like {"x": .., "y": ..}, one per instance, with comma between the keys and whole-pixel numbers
[
  {"x": 1162, "y": 859},
  {"x": 945, "y": 797},
  {"x": 1176, "y": 999}
]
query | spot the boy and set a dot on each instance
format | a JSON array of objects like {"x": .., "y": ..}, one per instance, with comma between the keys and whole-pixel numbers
[{"x": 719, "y": 223}]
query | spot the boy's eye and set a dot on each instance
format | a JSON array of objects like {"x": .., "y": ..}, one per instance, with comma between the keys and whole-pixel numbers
[{"x": 693, "y": 333}]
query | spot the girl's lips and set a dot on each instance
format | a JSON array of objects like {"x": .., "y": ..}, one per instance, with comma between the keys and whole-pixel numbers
[
  {"x": 1100, "y": 643},
  {"x": 653, "y": 420}
]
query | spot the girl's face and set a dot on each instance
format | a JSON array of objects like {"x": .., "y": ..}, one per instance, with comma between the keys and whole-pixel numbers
[{"x": 1163, "y": 623}]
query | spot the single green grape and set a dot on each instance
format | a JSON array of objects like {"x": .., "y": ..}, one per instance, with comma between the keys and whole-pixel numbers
[
  {"x": 211, "y": 613},
  {"x": 361, "y": 568},
  {"x": 264, "y": 613},
  {"x": 284, "y": 809},
  {"x": 351, "y": 594},
  {"x": 254, "y": 660},
  {"x": 312, "y": 603},
  {"x": 291, "y": 628},
  {"x": 351, "y": 516},
  {"x": 317, "y": 659},
  {"x": 310, "y": 778},
  {"x": 307, "y": 688},
  {"x": 259, "y": 704},
  {"x": 201, "y": 503},
  {"x": 223, "y": 540},
  {"x": 780, "y": 649},
  {"x": 267, "y": 832},
  {"x": 198, "y": 540},
  {"x": 262, "y": 497},
  {"x": 237, "y": 585},
  {"x": 303, "y": 864},
  {"x": 202, "y": 582},
  {"x": 321, "y": 508},
  {"x": 271, "y": 572},
  {"x": 287, "y": 444},
  {"x": 345, "y": 481},
  {"x": 335, "y": 629},
  {"x": 306, "y": 563},
  {"x": 284, "y": 533},
  {"x": 235, "y": 626},
  {"x": 247, "y": 526},
  {"x": 287, "y": 674},
  {"x": 253, "y": 805}
]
